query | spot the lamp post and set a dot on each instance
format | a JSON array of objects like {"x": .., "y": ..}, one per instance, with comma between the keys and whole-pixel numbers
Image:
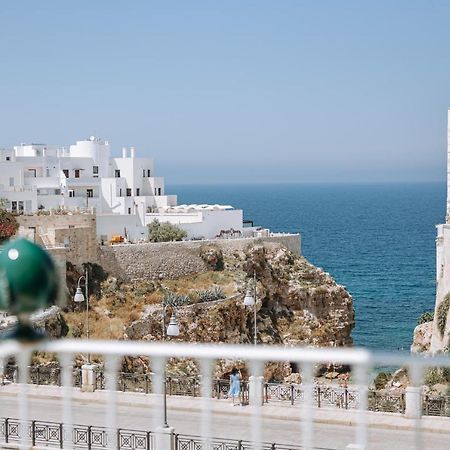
[
  {"x": 173, "y": 329},
  {"x": 79, "y": 298},
  {"x": 250, "y": 300}
]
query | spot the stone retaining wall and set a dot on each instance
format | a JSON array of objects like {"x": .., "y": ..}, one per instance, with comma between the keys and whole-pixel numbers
[{"x": 175, "y": 259}]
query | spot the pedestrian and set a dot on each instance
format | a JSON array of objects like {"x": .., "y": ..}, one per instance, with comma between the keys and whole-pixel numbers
[{"x": 235, "y": 386}]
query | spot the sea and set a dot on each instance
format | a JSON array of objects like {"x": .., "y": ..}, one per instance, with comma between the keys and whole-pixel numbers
[{"x": 376, "y": 239}]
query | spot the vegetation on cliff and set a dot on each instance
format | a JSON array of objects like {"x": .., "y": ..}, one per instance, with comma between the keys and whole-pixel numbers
[
  {"x": 8, "y": 224},
  {"x": 164, "y": 232},
  {"x": 297, "y": 304}
]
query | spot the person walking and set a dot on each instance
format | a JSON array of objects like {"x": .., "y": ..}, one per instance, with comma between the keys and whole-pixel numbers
[{"x": 235, "y": 386}]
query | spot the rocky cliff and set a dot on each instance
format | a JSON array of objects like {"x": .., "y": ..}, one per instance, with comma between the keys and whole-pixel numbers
[{"x": 297, "y": 304}]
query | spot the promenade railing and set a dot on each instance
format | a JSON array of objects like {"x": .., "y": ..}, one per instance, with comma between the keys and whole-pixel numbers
[
  {"x": 308, "y": 396},
  {"x": 324, "y": 395}
]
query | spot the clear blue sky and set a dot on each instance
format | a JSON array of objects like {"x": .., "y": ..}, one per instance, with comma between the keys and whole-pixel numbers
[{"x": 234, "y": 91}]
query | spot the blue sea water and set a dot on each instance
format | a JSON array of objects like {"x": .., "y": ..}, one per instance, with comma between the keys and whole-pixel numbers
[{"x": 376, "y": 239}]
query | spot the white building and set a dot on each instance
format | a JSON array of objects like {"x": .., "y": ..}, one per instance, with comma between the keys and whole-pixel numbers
[
  {"x": 124, "y": 192},
  {"x": 441, "y": 337}
]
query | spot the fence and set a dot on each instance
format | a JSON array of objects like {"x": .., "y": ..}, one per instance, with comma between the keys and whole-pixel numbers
[
  {"x": 323, "y": 395},
  {"x": 358, "y": 398},
  {"x": 58, "y": 435}
]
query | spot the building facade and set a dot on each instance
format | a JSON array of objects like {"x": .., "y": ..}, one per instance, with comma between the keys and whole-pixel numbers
[
  {"x": 440, "y": 338},
  {"x": 124, "y": 192}
]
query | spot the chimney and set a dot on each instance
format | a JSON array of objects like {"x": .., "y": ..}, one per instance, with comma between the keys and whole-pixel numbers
[
  {"x": 132, "y": 152},
  {"x": 124, "y": 152}
]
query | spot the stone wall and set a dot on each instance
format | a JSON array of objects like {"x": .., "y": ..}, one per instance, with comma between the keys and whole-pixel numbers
[
  {"x": 76, "y": 233},
  {"x": 175, "y": 259}
]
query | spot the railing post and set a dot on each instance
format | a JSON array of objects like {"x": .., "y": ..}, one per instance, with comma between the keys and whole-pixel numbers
[
  {"x": 164, "y": 438},
  {"x": 318, "y": 396},
  {"x": 346, "y": 398},
  {"x": 256, "y": 391},
  {"x": 37, "y": 376},
  {"x": 88, "y": 378},
  {"x": 6, "y": 430},
  {"x": 292, "y": 394},
  {"x": 118, "y": 438},
  {"x": 149, "y": 443},
  {"x": 89, "y": 437},
  {"x": 147, "y": 384},
  {"x": 33, "y": 433},
  {"x": 239, "y": 446},
  {"x": 61, "y": 435},
  {"x": 413, "y": 407},
  {"x": 266, "y": 392}
]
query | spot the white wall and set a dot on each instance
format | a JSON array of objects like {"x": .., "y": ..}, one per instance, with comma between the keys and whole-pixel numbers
[
  {"x": 202, "y": 224},
  {"x": 113, "y": 224}
]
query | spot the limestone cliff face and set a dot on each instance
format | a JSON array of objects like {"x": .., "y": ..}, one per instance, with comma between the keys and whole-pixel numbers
[
  {"x": 297, "y": 304},
  {"x": 422, "y": 338}
]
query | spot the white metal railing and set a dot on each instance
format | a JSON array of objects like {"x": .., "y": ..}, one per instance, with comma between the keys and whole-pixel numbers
[{"x": 253, "y": 424}]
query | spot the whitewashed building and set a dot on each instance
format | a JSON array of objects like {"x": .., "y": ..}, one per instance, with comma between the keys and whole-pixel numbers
[{"x": 125, "y": 192}]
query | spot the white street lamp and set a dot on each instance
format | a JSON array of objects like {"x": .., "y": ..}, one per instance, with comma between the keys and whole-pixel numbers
[
  {"x": 80, "y": 298},
  {"x": 173, "y": 330},
  {"x": 250, "y": 300}
]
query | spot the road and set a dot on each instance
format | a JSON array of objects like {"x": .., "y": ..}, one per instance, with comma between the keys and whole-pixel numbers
[{"x": 227, "y": 422}]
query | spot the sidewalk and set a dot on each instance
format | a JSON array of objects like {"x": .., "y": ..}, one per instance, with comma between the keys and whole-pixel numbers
[{"x": 295, "y": 413}]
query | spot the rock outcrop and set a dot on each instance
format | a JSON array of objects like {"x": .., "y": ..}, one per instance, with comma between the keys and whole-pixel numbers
[
  {"x": 297, "y": 304},
  {"x": 422, "y": 338}
]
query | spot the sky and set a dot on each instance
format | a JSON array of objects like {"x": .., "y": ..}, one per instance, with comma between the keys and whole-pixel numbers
[{"x": 235, "y": 91}]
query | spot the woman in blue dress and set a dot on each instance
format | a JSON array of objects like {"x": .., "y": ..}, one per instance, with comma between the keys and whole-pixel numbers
[{"x": 235, "y": 386}]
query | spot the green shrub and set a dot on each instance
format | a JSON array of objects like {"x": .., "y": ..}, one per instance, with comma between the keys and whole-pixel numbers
[
  {"x": 425, "y": 317},
  {"x": 164, "y": 232},
  {"x": 174, "y": 300},
  {"x": 442, "y": 312},
  {"x": 210, "y": 295}
]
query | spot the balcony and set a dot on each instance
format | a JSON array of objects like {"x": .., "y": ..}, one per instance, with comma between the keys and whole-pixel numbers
[
  {"x": 83, "y": 181},
  {"x": 43, "y": 182}
]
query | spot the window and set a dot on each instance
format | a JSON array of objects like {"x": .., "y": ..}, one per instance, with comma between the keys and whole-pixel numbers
[
  {"x": 138, "y": 191},
  {"x": 148, "y": 173},
  {"x": 128, "y": 192},
  {"x": 117, "y": 173},
  {"x": 95, "y": 170},
  {"x": 77, "y": 173},
  {"x": 66, "y": 173},
  {"x": 157, "y": 191},
  {"x": 143, "y": 173},
  {"x": 8, "y": 158},
  {"x": 32, "y": 172},
  {"x": 129, "y": 210},
  {"x": 14, "y": 206},
  {"x": 11, "y": 181},
  {"x": 120, "y": 192},
  {"x": 71, "y": 193},
  {"x": 89, "y": 193}
]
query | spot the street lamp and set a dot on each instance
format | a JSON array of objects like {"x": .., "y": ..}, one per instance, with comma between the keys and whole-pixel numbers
[
  {"x": 172, "y": 330},
  {"x": 250, "y": 300},
  {"x": 79, "y": 298}
]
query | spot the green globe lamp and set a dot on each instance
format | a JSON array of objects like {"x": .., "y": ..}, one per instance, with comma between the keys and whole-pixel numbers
[{"x": 28, "y": 283}]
